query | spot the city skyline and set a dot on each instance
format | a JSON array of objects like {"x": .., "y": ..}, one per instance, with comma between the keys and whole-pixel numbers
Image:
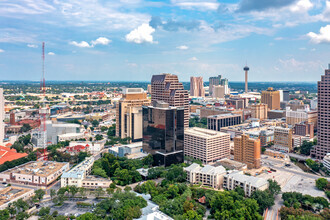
[{"x": 135, "y": 39}]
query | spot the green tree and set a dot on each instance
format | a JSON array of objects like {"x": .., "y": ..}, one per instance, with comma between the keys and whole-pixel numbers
[
  {"x": 99, "y": 192},
  {"x": 73, "y": 190},
  {"x": 4, "y": 214},
  {"x": 98, "y": 137},
  {"x": 26, "y": 127},
  {"x": 99, "y": 172},
  {"x": 274, "y": 187},
  {"x": 148, "y": 160},
  {"x": 306, "y": 147},
  {"x": 52, "y": 193},
  {"x": 44, "y": 211},
  {"x": 264, "y": 199},
  {"x": 22, "y": 216},
  {"x": 87, "y": 216},
  {"x": 39, "y": 194},
  {"x": 321, "y": 183},
  {"x": 82, "y": 191},
  {"x": 95, "y": 123},
  {"x": 82, "y": 156}
]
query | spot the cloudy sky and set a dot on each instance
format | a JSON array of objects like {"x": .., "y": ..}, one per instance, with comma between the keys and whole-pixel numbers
[{"x": 124, "y": 40}]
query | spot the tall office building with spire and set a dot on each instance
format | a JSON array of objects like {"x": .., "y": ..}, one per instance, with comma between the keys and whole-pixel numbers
[
  {"x": 197, "y": 86},
  {"x": 323, "y": 122},
  {"x": 167, "y": 88},
  {"x": 246, "y": 69}
]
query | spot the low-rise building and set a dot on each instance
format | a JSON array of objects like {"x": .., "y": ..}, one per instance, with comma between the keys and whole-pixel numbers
[
  {"x": 207, "y": 175},
  {"x": 11, "y": 194},
  {"x": 216, "y": 122},
  {"x": 92, "y": 147},
  {"x": 231, "y": 164},
  {"x": 248, "y": 183},
  {"x": 37, "y": 173},
  {"x": 276, "y": 154},
  {"x": 75, "y": 176},
  {"x": 130, "y": 151},
  {"x": 206, "y": 145},
  {"x": 283, "y": 139},
  {"x": 9, "y": 154},
  {"x": 93, "y": 182},
  {"x": 326, "y": 161},
  {"x": 298, "y": 140}
]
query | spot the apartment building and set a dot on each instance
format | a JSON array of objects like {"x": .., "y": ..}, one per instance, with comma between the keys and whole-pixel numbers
[
  {"x": 283, "y": 139},
  {"x": 206, "y": 145},
  {"x": 259, "y": 111},
  {"x": 216, "y": 122},
  {"x": 247, "y": 150},
  {"x": 248, "y": 183},
  {"x": 207, "y": 175},
  {"x": 37, "y": 173}
]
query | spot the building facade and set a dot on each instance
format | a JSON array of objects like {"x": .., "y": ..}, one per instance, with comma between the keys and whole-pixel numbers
[
  {"x": 247, "y": 150},
  {"x": 163, "y": 133},
  {"x": 304, "y": 129},
  {"x": 216, "y": 122},
  {"x": 207, "y": 175},
  {"x": 197, "y": 86},
  {"x": 271, "y": 98},
  {"x": 218, "y": 92},
  {"x": 259, "y": 111},
  {"x": 206, "y": 145},
  {"x": 129, "y": 114},
  {"x": 283, "y": 139},
  {"x": 167, "y": 88}
]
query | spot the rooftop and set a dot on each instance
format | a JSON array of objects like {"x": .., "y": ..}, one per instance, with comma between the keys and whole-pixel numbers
[
  {"x": 12, "y": 192},
  {"x": 203, "y": 132},
  {"x": 79, "y": 170},
  {"x": 207, "y": 169},
  {"x": 7, "y": 154},
  {"x": 224, "y": 116},
  {"x": 254, "y": 181},
  {"x": 39, "y": 168}
]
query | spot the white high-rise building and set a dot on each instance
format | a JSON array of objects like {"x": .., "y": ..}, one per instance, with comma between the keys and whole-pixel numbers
[{"x": 2, "y": 116}]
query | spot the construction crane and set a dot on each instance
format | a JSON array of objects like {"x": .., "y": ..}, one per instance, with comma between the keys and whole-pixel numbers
[{"x": 43, "y": 111}]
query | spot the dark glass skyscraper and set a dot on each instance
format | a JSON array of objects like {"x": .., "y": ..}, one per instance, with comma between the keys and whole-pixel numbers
[{"x": 163, "y": 133}]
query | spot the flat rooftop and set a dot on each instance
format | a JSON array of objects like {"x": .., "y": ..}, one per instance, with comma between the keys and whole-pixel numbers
[
  {"x": 203, "y": 132},
  {"x": 12, "y": 192},
  {"x": 38, "y": 168},
  {"x": 227, "y": 115}
]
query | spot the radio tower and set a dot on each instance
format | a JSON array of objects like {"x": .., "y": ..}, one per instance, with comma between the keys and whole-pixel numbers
[{"x": 43, "y": 110}]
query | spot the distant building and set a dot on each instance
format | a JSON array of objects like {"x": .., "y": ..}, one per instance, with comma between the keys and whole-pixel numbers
[
  {"x": 163, "y": 133},
  {"x": 283, "y": 139},
  {"x": 207, "y": 111},
  {"x": 206, "y": 145},
  {"x": 216, "y": 122},
  {"x": 167, "y": 88},
  {"x": 275, "y": 114},
  {"x": 2, "y": 116},
  {"x": 94, "y": 147},
  {"x": 214, "y": 81},
  {"x": 266, "y": 137},
  {"x": 129, "y": 114},
  {"x": 271, "y": 98},
  {"x": 36, "y": 173},
  {"x": 237, "y": 103},
  {"x": 218, "y": 92},
  {"x": 259, "y": 111},
  {"x": 130, "y": 151},
  {"x": 304, "y": 129},
  {"x": 197, "y": 86},
  {"x": 11, "y": 194},
  {"x": 207, "y": 175},
  {"x": 247, "y": 150},
  {"x": 249, "y": 184},
  {"x": 286, "y": 95}
]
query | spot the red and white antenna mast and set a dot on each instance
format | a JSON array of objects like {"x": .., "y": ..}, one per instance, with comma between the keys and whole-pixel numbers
[{"x": 43, "y": 110}]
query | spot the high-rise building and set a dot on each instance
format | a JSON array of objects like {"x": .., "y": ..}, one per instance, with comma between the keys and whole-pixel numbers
[
  {"x": 247, "y": 150},
  {"x": 271, "y": 98},
  {"x": 286, "y": 95},
  {"x": 216, "y": 122},
  {"x": 2, "y": 116},
  {"x": 206, "y": 145},
  {"x": 304, "y": 129},
  {"x": 167, "y": 88},
  {"x": 163, "y": 133},
  {"x": 323, "y": 122},
  {"x": 219, "y": 92},
  {"x": 283, "y": 139},
  {"x": 197, "y": 86},
  {"x": 129, "y": 113},
  {"x": 259, "y": 111},
  {"x": 214, "y": 81}
]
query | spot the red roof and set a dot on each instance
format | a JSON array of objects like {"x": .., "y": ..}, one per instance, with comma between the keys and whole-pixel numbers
[{"x": 7, "y": 154}]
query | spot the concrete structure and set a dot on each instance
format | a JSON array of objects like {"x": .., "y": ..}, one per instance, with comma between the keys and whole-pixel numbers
[
  {"x": 247, "y": 150},
  {"x": 218, "y": 92},
  {"x": 216, "y": 122},
  {"x": 231, "y": 164},
  {"x": 304, "y": 129},
  {"x": 323, "y": 122},
  {"x": 301, "y": 115},
  {"x": 246, "y": 69},
  {"x": 37, "y": 173},
  {"x": 266, "y": 137},
  {"x": 214, "y": 81},
  {"x": 298, "y": 140},
  {"x": 130, "y": 151},
  {"x": 248, "y": 183},
  {"x": 207, "y": 111},
  {"x": 283, "y": 139},
  {"x": 163, "y": 133},
  {"x": 94, "y": 147},
  {"x": 271, "y": 98},
  {"x": 75, "y": 176},
  {"x": 286, "y": 95},
  {"x": 197, "y": 86},
  {"x": 129, "y": 113},
  {"x": 207, "y": 175},
  {"x": 167, "y": 88},
  {"x": 275, "y": 114},
  {"x": 94, "y": 182},
  {"x": 276, "y": 154},
  {"x": 11, "y": 194},
  {"x": 2, "y": 116},
  {"x": 259, "y": 111},
  {"x": 326, "y": 161},
  {"x": 206, "y": 145},
  {"x": 313, "y": 103}
]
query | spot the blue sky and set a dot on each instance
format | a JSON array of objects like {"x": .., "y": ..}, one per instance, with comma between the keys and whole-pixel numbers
[{"x": 281, "y": 40}]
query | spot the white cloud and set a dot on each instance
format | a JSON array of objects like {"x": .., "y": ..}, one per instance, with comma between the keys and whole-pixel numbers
[
  {"x": 302, "y": 48},
  {"x": 278, "y": 38},
  {"x": 100, "y": 40},
  {"x": 183, "y": 47},
  {"x": 29, "y": 7},
  {"x": 193, "y": 58},
  {"x": 322, "y": 37},
  {"x": 81, "y": 44},
  {"x": 51, "y": 53},
  {"x": 196, "y": 4},
  {"x": 32, "y": 46},
  {"x": 1, "y": 51},
  {"x": 302, "y": 6},
  {"x": 141, "y": 34}
]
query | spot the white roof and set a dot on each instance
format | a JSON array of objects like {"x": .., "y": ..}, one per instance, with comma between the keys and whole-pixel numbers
[
  {"x": 207, "y": 169},
  {"x": 254, "y": 181}
]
